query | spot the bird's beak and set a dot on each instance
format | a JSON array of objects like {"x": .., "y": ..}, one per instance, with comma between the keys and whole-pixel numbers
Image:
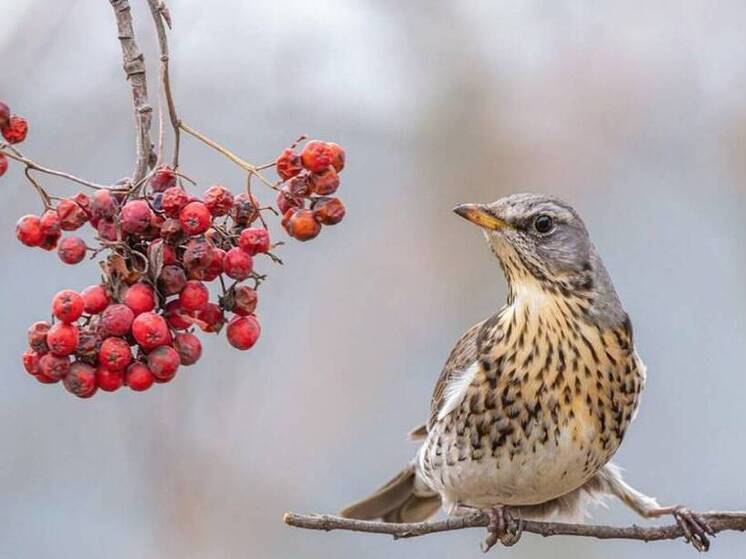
[{"x": 478, "y": 214}]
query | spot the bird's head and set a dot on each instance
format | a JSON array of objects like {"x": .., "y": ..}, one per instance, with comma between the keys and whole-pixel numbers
[{"x": 542, "y": 239}]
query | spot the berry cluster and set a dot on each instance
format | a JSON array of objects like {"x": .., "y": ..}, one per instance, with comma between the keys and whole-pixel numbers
[
  {"x": 13, "y": 128},
  {"x": 313, "y": 176},
  {"x": 165, "y": 246}
]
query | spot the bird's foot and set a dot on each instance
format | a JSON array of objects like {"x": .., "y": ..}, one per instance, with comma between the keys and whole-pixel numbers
[
  {"x": 502, "y": 527},
  {"x": 695, "y": 528}
]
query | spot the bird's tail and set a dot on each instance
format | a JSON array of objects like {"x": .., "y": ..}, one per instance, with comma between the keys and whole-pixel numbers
[{"x": 403, "y": 499}]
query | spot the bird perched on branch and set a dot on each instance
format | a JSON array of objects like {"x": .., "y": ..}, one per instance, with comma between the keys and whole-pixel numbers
[{"x": 535, "y": 400}]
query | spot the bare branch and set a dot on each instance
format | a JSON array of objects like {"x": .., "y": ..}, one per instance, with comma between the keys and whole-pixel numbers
[
  {"x": 719, "y": 521},
  {"x": 32, "y": 165},
  {"x": 134, "y": 69}
]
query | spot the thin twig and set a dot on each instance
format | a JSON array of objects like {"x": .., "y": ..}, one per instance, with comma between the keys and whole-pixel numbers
[
  {"x": 34, "y": 166},
  {"x": 134, "y": 69},
  {"x": 719, "y": 521}
]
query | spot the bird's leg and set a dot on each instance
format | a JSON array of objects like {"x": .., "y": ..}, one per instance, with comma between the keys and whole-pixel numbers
[
  {"x": 695, "y": 528},
  {"x": 502, "y": 526}
]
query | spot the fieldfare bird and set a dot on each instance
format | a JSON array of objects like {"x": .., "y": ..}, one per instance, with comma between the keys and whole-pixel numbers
[{"x": 534, "y": 401}]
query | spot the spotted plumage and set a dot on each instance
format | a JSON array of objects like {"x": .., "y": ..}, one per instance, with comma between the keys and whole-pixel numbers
[{"x": 534, "y": 401}]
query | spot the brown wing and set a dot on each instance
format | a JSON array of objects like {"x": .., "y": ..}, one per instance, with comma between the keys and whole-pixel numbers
[{"x": 463, "y": 354}]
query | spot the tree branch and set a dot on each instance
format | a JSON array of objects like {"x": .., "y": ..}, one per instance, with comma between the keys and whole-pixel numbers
[
  {"x": 134, "y": 69},
  {"x": 719, "y": 521}
]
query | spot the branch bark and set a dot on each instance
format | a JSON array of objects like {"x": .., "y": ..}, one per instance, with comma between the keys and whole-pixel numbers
[
  {"x": 134, "y": 69},
  {"x": 720, "y": 521}
]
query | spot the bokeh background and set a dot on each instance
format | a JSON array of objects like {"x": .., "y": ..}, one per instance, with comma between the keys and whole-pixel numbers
[{"x": 633, "y": 111}]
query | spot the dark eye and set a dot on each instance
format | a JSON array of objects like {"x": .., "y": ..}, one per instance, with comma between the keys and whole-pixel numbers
[{"x": 543, "y": 223}]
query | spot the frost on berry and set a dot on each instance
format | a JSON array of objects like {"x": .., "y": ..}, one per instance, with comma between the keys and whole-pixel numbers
[
  {"x": 163, "y": 362},
  {"x": 115, "y": 354},
  {"x": 62, "y": 338},
  {"x": 254, "y": 240},
  {"x": 107, "y": 229},
  {"x": 109, "y": 380},
  {"x": 16, "y": 130},
  {"x": 212, "y": 270},
  {"x": 245, "y": 210},
  {"x": 174, "y": 199},
  {"x": 316, "y": 156},
  {"x": 238, "y": 264},
  {"x": 194, "y": 296},
  {"x": 67, "y": 305},
  {"x": 54, "y": 366},
  {"x": 95, "y": 299},
  {"x": 139, "y": 297},
  {"x": 29, "y": 231},
  {"x": 171, "y": 280},
  {"x": 218, "y": 200},
  {"x": 198, "y": 254},
  {"x": 37, "y": 336},
  {"x": 138, "y": 377},
  {"x": 324, "y": 183},
  {"x": 71, "y": 250},
  {"x": 243, "y": 332},
  {"x": 116, "y": 320},
  {"x": 162, "y": 179},
  {"x": 72, "y": 215},
  {"x": 244, "y": 300},
  {"x": 195, "y": 218},
  {"x": 150, "y": 330},
  {"x": 288, "y": 164},
  {"x": 329, "y": 211},
  {"x": 135, "y": 217},
  {"x": 103, "y": 205},
  {"x": 302, "y": 225},
  {"x": 188, "y": 347},
  {"x": 81, "y": 380}
]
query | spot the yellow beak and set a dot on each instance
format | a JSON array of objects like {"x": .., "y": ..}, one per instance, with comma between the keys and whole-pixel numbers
[{"x": 476, "y": 213}]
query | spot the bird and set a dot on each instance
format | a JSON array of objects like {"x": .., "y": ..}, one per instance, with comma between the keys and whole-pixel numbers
[{"x": 532, "y": 402}]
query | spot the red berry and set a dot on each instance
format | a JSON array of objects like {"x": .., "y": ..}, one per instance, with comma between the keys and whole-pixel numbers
[
  {"x": 176, "y": 316},
  {"x": 219, "y": 200},
  {"x": 71, "y": 250},
  {"x": 171, "y": 231},
  {"x": 288, "y": 164},
  {"x": 163, "y": 362},
  {"x": 4, "y": 115},
  {"x": 67, "y": 305},
  {"x": 115, "y": 354},
  {"x": 116, "y": 320},
  {"x": 210, "y": 319},
  {"x": 50, "y": 229},
  {"x": 329, "y": 211},
  {"x": 244, "y": 300},
  {"x": 168, "y": 254},
  {"x": 103, "y": 204},
  {"x": 243, "y": 332},
  {"x": 303, "y": 226},
  {"x": 44, "y": 379},
  {"x": 81, "y": 380},
  {"x": 194, "y": 296},
  {"x": 16, "y": 130},
  {"x": 325, "y": 182},
  {"x": 254, "y": 240},
  {"x": 172, "y": 280},
  {"x": 107, "y": 230},
  {"x": 28, "y": 231},
  {"x": 95, "y": 299},
  {"x": 174, "y": 199},
  {"x": 286, "y": 200},
  {"x": 213, "y": 270},
  {"x": 198, "y": 254},
  {"x": 135, "y": 217},
  {"x": 195, "y": 218},
  {"x": 139, "y": 297},
  {"x": 189, "y": 348},
  {"x": 238, "y": 264},
  {"x": 300, "y": 185},
  {"x": 138, "y": 377},
  {"x": 3, "y": 164},
  {"x": 338, "y": 156},
  {"x": 62, "y": 338},
  {"x": 163, "y": 178},
  {"x": 31, "y": 362},
  {"x": 109, "y": 380},
  {"x": 37, "y": 336},
  {"x": 71, "y": 215},
  {"x": 245, "y": 209},
  {"x": 316, "y": 156},
  {"x": 54, "y": 366},
  {"x": 84, "y": 203},
  {"x": 150, "y": 330},
  {"x": 89, "y": 342}
]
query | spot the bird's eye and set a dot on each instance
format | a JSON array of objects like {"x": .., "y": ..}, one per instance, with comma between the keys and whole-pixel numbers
[{"x": 543, "y": 223}]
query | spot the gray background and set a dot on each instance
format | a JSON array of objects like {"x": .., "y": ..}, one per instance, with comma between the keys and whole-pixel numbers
[{"x": 634, "y": 112}]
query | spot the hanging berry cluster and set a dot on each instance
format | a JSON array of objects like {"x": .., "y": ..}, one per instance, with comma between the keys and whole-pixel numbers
[{"x": 163, "y": 247}]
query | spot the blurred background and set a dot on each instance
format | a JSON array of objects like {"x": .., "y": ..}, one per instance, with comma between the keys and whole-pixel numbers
[{"x": 633, "y": 112}]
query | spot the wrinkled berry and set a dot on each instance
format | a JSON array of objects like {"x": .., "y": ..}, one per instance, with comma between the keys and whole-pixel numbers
[
  {"x": 172, "y": 280},
  {"x": 162, "y": 179},
  {"x": 54, "y": 366},
  {"x": 135, "y": 217},
  {"x": 71, "y": 215},
  {"x": 103, "y": 204},
  {"x": 219, "y": 200},
  {"x": 329, "y": 211},
  {"x": 287, "y": 200},
  {"x": 244, "y": 300},
  {"x": 288, "y": 164},
  {"x": 37, "y": 336},
  {"x": 31, "y": 362},
  {"x": 107, "y": 230},
  {"x": 245, "y": 209},
  {"x": 254, "y": 240},
  {"x": 325, "y": 182},
  {"x": 4, "y": 115},
  {"x": 198, "y": 254},
  {"x": 303, "y": 226},
  {"x": 211, "y": 318},
  {"x": 176, "y": 316},
  {"x": 174, "y": 199},
  {"x": 338, "y": 156},
  {"x": 50, "y": 229},
  {"x": 316, "y": 156}
]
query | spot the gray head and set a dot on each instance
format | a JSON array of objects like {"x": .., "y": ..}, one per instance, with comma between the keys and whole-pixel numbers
[{"x": 542, "y": 239}]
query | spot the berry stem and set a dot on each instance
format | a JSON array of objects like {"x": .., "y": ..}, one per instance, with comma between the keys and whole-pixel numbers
[{"x": 32, "y": 165}]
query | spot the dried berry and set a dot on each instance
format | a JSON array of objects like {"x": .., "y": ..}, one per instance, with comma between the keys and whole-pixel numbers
[
  {"x": 198, "y": 254},
  {"x": 316, "y": 156},
  {"x": 162, "y": 179},
  {"x": 254, "y": 240},
  {"x": 210, "y": 319},
  {"x": 172, "y": 280},
  {"x": 3, "y": 164},
  {"x": 338, "y": 156},
  {"x": 326, "y": 182},
  {"x": 244, "y": 300},
  {"x": 135, "y": 217},
  {"x": 116, "y": 320},
  {"x": 245, "y": 210},
  {"x": 329, "y": 211},
  {"x": 4, "y": 115},
  {"x": 218, "y": 200},
  {"x": 303, "y": 226},
  {"x": 37, "y": 336},
  {"x": 71, "y": 215},
  {"x": 288, "y": 164},
  {"x": 176, "y": 316},
  {"x": 286, "y": 200},
  {"x": 174, "y": 199},
  {"x": 81, "y": 380},
  {"x": 31, "y": 362},
  {"x": 53, "y": 366},
  {"x": 50, "y": 229},
  {"x": 103, "y": 205}
]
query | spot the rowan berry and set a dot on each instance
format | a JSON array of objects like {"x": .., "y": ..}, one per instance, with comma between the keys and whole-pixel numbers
[
  {"x": 244, "y": 300},
  {"x": 116, "y": 320},
  {"x": 115, "y": 354},
  {"x": 329, "y": 211},
  {"x": 62, "y": 338},
  {"x": 288, "y": 164},
  {"x": 71, "y": 250},
  {"x": 171, "y": 280},
  {"x": 163, "y": 362},
  {"x": 3, "y": 164},
  {"x": 138, "y": 377},
  {"x": 150, "y": 330},
  {"x": 4, "y": 115},
  {"x": 254, "y": 240},
  {"x": 162, "y": 179},
  {"x": 243, "y": 332},
  {"x": 245, "y": 209},
  {"x": 139, "y": 297},
  {"x": 109, "y": 380},
  {"x": 338, "y": 156},
  {"x": 238, "y": 264},
  {"x": 16, "y": 130},
  {"x": 103, "y": 204},
  {"x": 29, "y": 231},
  {"x": 37, "y": 336},
  {"x": 95, "y": 299},
  {"x": 31, "y": 362},
  {"x": 135, "y": 217},
  {"x": 194, "y": 296},
  {"x": 219, "y": 200},
  {"x": 211, "y": 318},
  {"x": 195, "y": 218},
  {"x": 81, "y": 380},
  {"x": 303, "y": 226},
  {"x": 71, "y": 215},
  {"x": 188, "y": 347},
  {"x": 316, "y": 156},
  {"x": 54, "y": 366},
  {"x": 67, "y": 305},
  {"x": 176, "y": 316},
  {"x": 326, "y": 182},
  {"x": 174, "y": 199}
]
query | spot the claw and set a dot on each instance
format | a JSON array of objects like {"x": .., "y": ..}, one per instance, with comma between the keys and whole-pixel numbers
[
  {"x": 502, "y": 527},
  {"x": 695, "y": 528}
]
